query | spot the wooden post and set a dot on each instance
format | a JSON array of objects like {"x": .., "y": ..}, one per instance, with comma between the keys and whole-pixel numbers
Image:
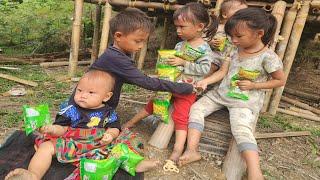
[
  {"x": 278, "y": 11},
  {"x": 105, "y": 28},
  {"x": 234, "y": 166},
  {"x": 165, "y": 33},
  {"x": 95, "y": 39},
  {"x": 75, "y": 39},
  {"x": 290, "y": 52},
  {"x": 162, "y": 135},
  {"x": 286, "y": 31},
  {"x": 142, "y": 55}
]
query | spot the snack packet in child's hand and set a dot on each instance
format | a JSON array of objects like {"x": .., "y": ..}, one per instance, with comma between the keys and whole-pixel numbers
[
  {"x": 235, "y": 91},
  {"x": 35, "y": 117},
  {"x": 129, "y": 157},
  {"x": 167, "y": 72},
  {"x": 161, "y": 109},
  {"x": 98, "y": 169},
  {"x": 164, "y": 55},
  {"x": 189, "y": 54}
]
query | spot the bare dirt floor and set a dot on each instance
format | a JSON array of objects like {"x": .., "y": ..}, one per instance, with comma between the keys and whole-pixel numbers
[{"x": 281, "y": 158}]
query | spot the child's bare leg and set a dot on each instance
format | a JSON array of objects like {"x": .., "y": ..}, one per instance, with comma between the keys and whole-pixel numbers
[
  {"x": 191, "y": 154},
  {"x": 252, "y": 161},
  {"x": 136, "y": 118},
  {"x": 39, "y": 163},
  {"x": 147, "y": 165},
  {"x": 181, "y": 136}
]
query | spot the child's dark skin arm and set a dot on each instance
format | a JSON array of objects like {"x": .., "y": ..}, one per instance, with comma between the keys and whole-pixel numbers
[{"x": 278, "y": 79}]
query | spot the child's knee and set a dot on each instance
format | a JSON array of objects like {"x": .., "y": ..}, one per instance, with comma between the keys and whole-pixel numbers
[{"x": 47, "y": 147}]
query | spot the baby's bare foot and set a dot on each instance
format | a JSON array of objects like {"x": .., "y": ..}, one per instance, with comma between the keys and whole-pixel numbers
[
  {"x": 189, "y": 157},
  {"x": 147, "y": 165},
  {"x": 19, "y": 174}
]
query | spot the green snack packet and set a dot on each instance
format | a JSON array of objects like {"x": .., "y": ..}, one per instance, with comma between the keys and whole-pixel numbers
[
  {"x": 98, "y": 169},
  {"x": 161, "y": 109},
  {"x": 188, "y": 53},
  {"x": 130, "y": 158},
  {"x": 167, "y": 72},
  {"x": 164, "y": 55},
  {"x": 248, "y": 74},
  {"x": 35, "y": 117},
  {"x": 235, "y": 91},
  {"x": 223, "y": 42}
]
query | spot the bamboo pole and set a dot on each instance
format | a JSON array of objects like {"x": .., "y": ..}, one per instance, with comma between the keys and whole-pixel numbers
[
  {"x": 278, "y": 11},
  {"x": 105, "y": 28},
  {"x": 75, "y": 39},
  {"x": 142, "y": 55},
  {"x": 280, "y": 135},
  {"x": 62, "y": 63},
  {"x": 290, "y": 52},
  {"x": 302, "y": 94},
  {"x": 315, "y": 4},
  {"x": 137, "y": 4},
  {"x": 303, "y": 111},
  {"x": 293, "y": 113},
  {"x": 300, "y": 104},
  {"x": 286, "y": 31},
  {"x": 96, "y": 29},
  {"x": 162, "y": 135},
  {"x": 16, "y": 79},
  {"x": 165, "y": 33}
]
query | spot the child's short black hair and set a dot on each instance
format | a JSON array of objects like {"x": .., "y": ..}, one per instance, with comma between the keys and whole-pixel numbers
[
  {"x": 130, "y": 20},
  {"x": 255, "y": 19}
]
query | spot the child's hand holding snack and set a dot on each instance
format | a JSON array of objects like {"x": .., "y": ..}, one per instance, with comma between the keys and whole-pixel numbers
[
  {"x": 107, "y": 138},
  {"x": 176, "y": 61},
  {"x": 47, "y": 129}
]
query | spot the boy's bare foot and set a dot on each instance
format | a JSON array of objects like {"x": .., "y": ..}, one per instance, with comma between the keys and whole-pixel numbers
[
  {"x": 147, "y": 165},
  {"x": 175, "y": 155},
  {"x": 189, "y": 156},
  {"x": 21, "y": 174}
]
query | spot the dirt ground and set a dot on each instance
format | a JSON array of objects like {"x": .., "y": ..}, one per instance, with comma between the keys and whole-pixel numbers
[{"x": 281, "y": 158}]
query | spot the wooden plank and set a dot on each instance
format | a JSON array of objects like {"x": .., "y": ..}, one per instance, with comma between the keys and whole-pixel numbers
[
  {"x": 300, "y": 104},
  {"x": 305, "y": 116},
  {"x": 283, "y": 134},
  {"x": 16, "y": 79}
]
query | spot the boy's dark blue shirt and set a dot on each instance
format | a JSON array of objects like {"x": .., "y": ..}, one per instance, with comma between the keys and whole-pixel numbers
[{"x": 123, "y": 68}]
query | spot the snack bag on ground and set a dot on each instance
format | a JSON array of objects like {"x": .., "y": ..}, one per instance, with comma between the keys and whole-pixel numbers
[
  {"x": 129, "y": 158},
  {"x": 35, "y": 117},
  {"x": 98, "y": 169}
]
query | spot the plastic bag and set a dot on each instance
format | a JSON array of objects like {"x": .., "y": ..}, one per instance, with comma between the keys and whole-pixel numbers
[
  {"x": 98, "y": 169},
  {"x": 161, "y": 109},
  {"x": 189, "y": 54},
  {"x": 164, "y": 55},
  {"x": 35, "y": 117},
  {"x": 243, "y": 74},
  {"x": 128, "y": 158}
]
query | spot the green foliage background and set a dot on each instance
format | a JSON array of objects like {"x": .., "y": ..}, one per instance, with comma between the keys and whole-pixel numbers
[{"x": 37, "y": 26}]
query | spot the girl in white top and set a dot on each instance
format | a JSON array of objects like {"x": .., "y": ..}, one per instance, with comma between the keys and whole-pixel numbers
[{"x": 241, "y": 90}]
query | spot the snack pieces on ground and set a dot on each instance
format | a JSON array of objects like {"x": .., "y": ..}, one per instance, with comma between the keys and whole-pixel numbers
[
  {"x": 35, "y": 117},
  {"x": 98, "y": 169},
  {"x": 243, "y": 74},
  {"x": 170, "y": 166}
]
